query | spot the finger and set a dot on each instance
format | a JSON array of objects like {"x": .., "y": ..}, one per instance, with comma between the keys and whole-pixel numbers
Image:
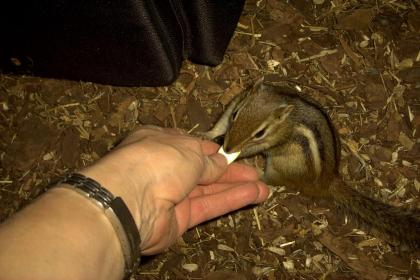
[
  {"x": 214, "y": 188},
  {"x": 207, "y": 207},
  {"x": 218, "y": 188},
  {"x": 211, "y": 189},
  {"x": 209, "y": 147},
  {"x": 182, "y": 215},
  {"x": 239, "y": 172},
  {"x": 214, "y": 166}
]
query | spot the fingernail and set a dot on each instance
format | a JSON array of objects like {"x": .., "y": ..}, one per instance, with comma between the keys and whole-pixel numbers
[{"x": 229, "y": 157}]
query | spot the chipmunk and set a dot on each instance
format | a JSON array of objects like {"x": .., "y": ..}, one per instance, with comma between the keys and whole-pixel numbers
[{"x": 302, "y": 151}]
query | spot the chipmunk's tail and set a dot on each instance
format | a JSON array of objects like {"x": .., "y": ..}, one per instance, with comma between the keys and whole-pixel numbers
[{"x": 397, "y": 225}]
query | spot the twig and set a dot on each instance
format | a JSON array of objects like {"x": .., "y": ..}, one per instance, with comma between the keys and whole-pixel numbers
[{"x": 257, "y": 219}]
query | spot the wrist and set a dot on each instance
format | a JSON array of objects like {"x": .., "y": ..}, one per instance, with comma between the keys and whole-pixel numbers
[
  {"x": 117, "y": 212},
  {"x": 86, "y": 222},
  {"x": 117, "y": 177},
  {"x": 118, "y": 186}
]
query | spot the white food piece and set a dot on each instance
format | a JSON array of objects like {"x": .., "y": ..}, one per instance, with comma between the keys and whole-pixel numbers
[{"x": 230, "y": 157}]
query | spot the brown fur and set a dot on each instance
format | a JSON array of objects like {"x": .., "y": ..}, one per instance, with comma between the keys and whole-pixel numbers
[{"x": 293, "y": 127}]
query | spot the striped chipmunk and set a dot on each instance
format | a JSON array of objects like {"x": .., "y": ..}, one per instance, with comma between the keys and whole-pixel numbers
[{"x": 302, "y": 152}]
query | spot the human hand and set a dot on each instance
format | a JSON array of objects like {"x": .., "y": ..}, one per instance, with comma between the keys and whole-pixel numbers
[{"x": 172, "y": 182}]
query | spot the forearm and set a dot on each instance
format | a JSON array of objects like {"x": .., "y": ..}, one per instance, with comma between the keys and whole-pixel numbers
[{"x": 62, "y": 235}]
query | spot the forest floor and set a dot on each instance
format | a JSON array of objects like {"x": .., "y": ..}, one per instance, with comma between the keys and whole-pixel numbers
[{"x": 359, "y": 59}]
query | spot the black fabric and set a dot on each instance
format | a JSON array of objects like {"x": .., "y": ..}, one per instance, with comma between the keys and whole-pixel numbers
[
  {"x": 126, "y": 42},
  {"x": 212, "y": 25}
]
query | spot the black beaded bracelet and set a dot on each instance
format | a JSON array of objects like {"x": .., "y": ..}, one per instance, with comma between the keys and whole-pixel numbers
[{"x": 116, "y": 211}]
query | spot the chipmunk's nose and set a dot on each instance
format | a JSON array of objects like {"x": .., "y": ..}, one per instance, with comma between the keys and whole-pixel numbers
[{"x": 229, "y": 148}]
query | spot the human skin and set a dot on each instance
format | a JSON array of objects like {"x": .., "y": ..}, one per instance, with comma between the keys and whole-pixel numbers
[{"x": 170, "y": 183}]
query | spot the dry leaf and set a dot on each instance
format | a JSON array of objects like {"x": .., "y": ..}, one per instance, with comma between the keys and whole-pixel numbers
[
  {"x": 233, "y": 90},
  {"x": 224, "y": 247},
  {"x": 277, "y": 250},
  {"x": 406, "y": 141},
  {"x": 289, "y": 265},
  {"x": 190, "y": 267},
  {"x": 358, "y": 19}
]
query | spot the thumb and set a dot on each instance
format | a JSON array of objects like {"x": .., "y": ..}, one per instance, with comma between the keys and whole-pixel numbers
[{"x": 215, "y": 166}]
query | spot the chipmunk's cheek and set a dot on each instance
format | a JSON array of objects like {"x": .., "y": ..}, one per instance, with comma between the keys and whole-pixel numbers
[{"x": 230, "y": 157}]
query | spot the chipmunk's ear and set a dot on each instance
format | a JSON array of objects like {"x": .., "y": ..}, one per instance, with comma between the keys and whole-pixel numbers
[{"x": 283, "y": 112}]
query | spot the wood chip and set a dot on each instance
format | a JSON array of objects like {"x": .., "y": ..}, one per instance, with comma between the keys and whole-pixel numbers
[
  {"x": 190, "y": 267},
  {"x": 345, "y": 249}
]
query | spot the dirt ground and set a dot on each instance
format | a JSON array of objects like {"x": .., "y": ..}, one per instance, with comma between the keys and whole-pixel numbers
[{"x": 359, "y": 59}]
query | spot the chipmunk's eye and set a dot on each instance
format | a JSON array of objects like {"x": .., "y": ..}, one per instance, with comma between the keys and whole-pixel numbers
[{"x": 259, "y": 134}]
